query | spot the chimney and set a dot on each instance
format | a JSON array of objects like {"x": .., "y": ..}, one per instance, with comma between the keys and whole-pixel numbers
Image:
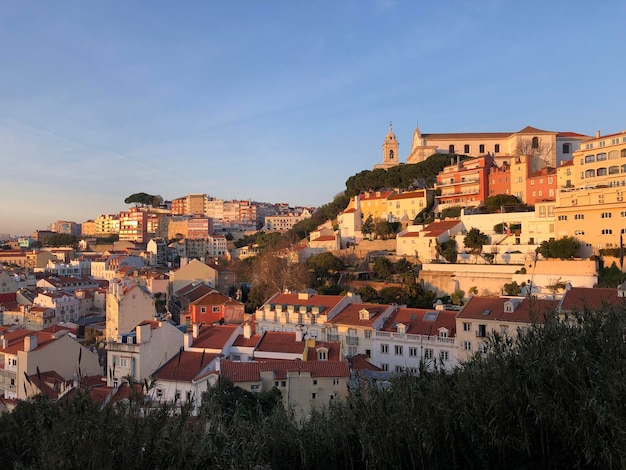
[
  {"x": 247, "y": 330},
  {"x": 188, "y": 340},
  {"x": 298, "y": 334},
  {"x": 597, "y": 134},
  {"x": 144, "y": 333},
  {"x": 4, "y": 341},
  {"x": 30, "y": 343},
  {"x": 195, "y": 328}
]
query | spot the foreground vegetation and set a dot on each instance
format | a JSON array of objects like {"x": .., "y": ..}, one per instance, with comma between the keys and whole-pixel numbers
[{"x": 554, "y": 398}]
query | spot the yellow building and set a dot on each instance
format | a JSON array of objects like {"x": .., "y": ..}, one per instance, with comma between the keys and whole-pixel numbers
[
  {"x": 375, "y": 204},
  {"x": 590, "y": 196},
  {"x": 405, "y": 206}
]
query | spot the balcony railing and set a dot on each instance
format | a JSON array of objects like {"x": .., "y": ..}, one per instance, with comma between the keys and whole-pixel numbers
[
  {"x": 354, "y": 340},
  {"x": 332, "y": 337}
]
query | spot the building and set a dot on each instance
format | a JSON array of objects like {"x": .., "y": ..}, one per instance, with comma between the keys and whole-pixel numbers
[
  {"x": 107, "y": 225},
  {"x": 465, "y": 183},
  {"x": 411, "y": 338},
  {"x": 213, "y": 308},
  {"x": 215, "y": 275},
  {"x": 404, "y": 206},
  {"x": 481, "y": 316},
  {"x": 24, "y": 353},
  {"x": 127, "y": 305},
  {"x": 304, "y": 385},
  {"x": 391, "y": 152},
  {"x": 590, "y": 199},
  {"x": 422, "y": 241},
  {"x": 138, "y": 353},
  {"x": 134, "y": 225},
  {"x": 66, "y": 227}
]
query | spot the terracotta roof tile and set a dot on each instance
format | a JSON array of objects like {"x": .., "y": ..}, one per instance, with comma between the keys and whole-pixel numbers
[
  {"x": 281, "y": 342},
  {"x": 185, "y": 366},
  {"x": 250, "y": 371},
  {"x": 492, "y": 308},
  {"x": 350, "y": 314},
  {"x": 590, "y": 298},
  {"x": 213, "y": 336},
  {"x": 419, "y": 321}
]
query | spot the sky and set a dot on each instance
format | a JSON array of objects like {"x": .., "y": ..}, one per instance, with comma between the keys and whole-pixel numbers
[{"x": 277, "y": 101}]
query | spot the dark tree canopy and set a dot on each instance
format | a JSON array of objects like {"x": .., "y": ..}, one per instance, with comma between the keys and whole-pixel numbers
[
  {"x": 504, "y": 203},
  {"x": 474, "y": 240},
  {"x": 564, "y": 248},
  {"x": 144, "y": 199}
]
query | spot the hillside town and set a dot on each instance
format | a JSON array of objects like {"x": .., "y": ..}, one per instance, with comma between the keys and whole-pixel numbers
[{"x": 155, "y": 294}]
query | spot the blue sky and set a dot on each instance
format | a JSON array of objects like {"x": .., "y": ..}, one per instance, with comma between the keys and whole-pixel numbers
[{"x": 277, "y": 101}]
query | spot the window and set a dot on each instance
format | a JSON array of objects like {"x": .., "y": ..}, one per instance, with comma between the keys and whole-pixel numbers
[
  {"x": 602, "y": 172},
  {"x": 535, "y": 143},
  {"x": 601, "y": 157},
  {"x": 579, "y": 216},
  {"x": 622, "y": 214},
  {"x": 467, "y": 326},
  {"x": 335, "y": 381},
  {"x": 562, "y": 217},
  {"x": 398, "y": 350},
  {"x": 202, "y": 309},
  {"x": 467, "y": 345},
  {"x": 384, "y": 367},
  {"x": 428, "y": 353},
  {"x": 451, "y": 148},
  {"x": 532, "y": 182},
  {"x": 443, "y": 355},
  {"x": 614, "y": 170},
  {"x": 605, "y": 215},
  {"x": 622, "y": 153},
  {"x": 496, "y": 148},
  {"x": 123, "y": 362},
  {"x": 313, "y": 395},
  {"x": 607, "y": 231},
  {"x": 482, "y": 347},
  {"x": 482, "y": 331},
  {"x": 321, "y": 355},
  {"x": 384, "y": 348},
  {"x": 255, "y": 387},
  {"x": 159, "y": 392},
  {"x": 413, "y": 352},
  {"x": 504, "y": 329},
  {"x": 579, "y": 232},
  {"x": 590, "y": 158},
  {"x": 567, "y": 148}
]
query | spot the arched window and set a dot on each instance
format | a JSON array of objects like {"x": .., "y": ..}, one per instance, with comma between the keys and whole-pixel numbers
[
  {"x": 451, "y": 148},
  {"x": 623, "y": 169},
  {"x": 601, "y": 172},
  {"x": 601, "y": 157},
  {"x": 590, "y": 158},
  {"x": 567, "y": 148},
  {"x": 590, "y": 173},
  {"x": 390, "y": 154},
  {"x": 613, "y": 170},
  {"x": 623, "y": 153},
  {"x": 535, "y": 143}
]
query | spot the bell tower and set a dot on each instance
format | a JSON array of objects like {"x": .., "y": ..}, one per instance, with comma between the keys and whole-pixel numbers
[{"x": 390, "y": 149}]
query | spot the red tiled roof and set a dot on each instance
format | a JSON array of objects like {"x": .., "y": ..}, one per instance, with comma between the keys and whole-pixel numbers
[
  {"x": 250, "y": 371},
  {"x": 16, "y": 340},
  {"x": 373, "y": 195},
  {"x": 409, "y": 195},
  {"x": 468, "y": 135},
  {"x": 213, "y": 336},
  {"x": 184, "y": 366},
  {"x": 315, "y": 300},
  {"x": 324, "y": 238},
  {"x": 349, "y": 315},
  {"x": 212, "y": 298},
  {"x": 410, "y": 234},
  {"x": 572, "y": 134},
  {"x": 527, "y": 311},
  {"x": 437, "y": 228},
  {"x": 590, "y": 298},
  {"x": 361, "y": 362},
  {"x": 333, "y": 348},
  {"x": 281, "y": 342},
  {"x": 417, "y": 323},
  {"x": 243, "y": 342}
]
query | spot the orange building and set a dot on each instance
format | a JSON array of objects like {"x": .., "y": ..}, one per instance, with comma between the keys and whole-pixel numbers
[{"x": 465, "y": 182}]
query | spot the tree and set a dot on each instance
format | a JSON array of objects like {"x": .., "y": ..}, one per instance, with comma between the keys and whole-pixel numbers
[
  {"x": 144, "y": 199},
  {"x": 474, "y": 240},
  {"x": 448, "y": 250},
  {"x": 457, "y": 297},
  {"x": 512, "y": 288},
  {"x": 563, "y": 248},
  {"x": 535, "y": 147},
  {"x": 453, "y": 212},
  {"x": 325, "y": 268},
  {"x": 367, "y": 228},
  {"x": 503, "y": 203},
  {"x": 60, "y": 239},
  {"x": 383, "y": 268}
]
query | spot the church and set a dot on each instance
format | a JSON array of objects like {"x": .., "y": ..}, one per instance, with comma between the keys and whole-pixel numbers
[{"x": 549, "y": 148}]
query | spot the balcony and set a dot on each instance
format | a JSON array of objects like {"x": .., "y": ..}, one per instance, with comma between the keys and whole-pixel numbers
[
  {"x": 446, "y": 340},
  {"x": 332, "y": 337},
  {"x": 353, "y": 340}
]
